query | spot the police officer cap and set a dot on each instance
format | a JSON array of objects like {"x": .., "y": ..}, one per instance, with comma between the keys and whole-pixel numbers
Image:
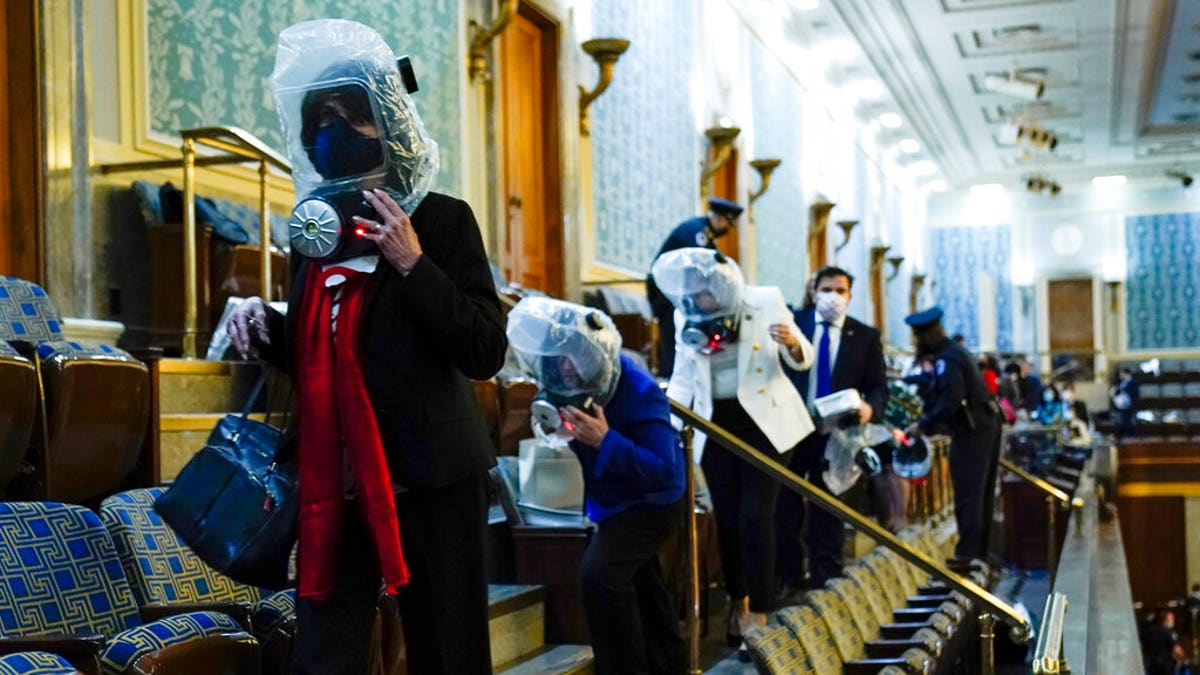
[
  {"x": 722, "y": 206},
  {"x": 924, "y": 318}
]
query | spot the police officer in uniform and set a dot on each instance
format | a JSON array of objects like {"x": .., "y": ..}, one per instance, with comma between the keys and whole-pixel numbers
[
  {"x": 700, "y": 231},
  {"x": 959, "y": 405}
]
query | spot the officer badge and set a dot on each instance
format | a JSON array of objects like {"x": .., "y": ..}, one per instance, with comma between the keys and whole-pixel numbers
[
  {"x": 701, "y": 238},
  {"x": 940, "y": 366}
]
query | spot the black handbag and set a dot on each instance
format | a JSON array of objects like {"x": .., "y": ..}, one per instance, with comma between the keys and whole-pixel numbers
[{"x": 236, "y": 501}]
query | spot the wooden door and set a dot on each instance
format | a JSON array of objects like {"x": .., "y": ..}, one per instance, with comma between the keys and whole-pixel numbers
[
  {"x": 20, "y": 113},
  {"x": 1072, "y": 331},
  {"x": 529, "y": 123},
  {"x": 725, "y": 184}
]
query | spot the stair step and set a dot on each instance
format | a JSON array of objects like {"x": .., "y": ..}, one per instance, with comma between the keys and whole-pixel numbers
[
  {"x": 516, "y": 621},
  {"x": 552, "y": 660}
]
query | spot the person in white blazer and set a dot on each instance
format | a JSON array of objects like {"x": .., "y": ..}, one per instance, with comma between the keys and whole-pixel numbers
[{"x": 730, "y": 339}]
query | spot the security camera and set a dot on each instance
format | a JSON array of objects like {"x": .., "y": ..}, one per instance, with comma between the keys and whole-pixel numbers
[
  {"x": 1017, "y": 87},
  {"x": 1185, "y": 179}
]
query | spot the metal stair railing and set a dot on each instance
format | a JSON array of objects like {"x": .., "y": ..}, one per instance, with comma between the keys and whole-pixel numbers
[
  {"x": 989, "y": 605},
  {"x": 236, "y": 146},
  {"x": 1055, "y": 499}
]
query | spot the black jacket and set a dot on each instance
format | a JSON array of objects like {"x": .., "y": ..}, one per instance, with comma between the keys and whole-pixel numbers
[
  {"x": 960, "y": 401},
  {"x": 424, "y": 338},
  {"x": 858, "y": 364}
]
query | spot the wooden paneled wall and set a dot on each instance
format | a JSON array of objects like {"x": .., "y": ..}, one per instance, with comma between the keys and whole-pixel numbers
[
  {"x": 1155, "y": 479},
  {"x": 20, "y": 147}
]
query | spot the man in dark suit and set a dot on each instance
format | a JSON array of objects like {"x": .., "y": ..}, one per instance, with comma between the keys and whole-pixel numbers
[
  {"x": 699, "y": 231},
  {"x": 849, "y": 356}
]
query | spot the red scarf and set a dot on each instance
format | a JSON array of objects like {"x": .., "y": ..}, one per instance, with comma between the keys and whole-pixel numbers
[{"x": 335, "y": 414}]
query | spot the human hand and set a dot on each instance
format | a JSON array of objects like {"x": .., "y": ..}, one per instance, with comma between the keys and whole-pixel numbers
[
  {"x": 248, "y": 324},
  {"x": 783, "y": 335},
  {"x": 395, "y": 235},
  {"x": 587, "y": 429},
  {"x": 865, "y": 411}
]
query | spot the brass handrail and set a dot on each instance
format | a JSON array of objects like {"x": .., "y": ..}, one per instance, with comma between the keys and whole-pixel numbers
[
  {"x": 1041, "y": 484},
  {"x": 1048, "y": 654},
  {"x": 990, "y": 604},
  {"x": 238, "y": 147}
]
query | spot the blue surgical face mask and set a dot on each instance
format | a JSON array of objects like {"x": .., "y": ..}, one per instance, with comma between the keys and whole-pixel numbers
[{"x": 341, "y": 151}]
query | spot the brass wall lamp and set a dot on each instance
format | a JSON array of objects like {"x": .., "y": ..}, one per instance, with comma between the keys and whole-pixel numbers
[
  {"x": 877, "y": 253},
  {"x": 721, "y": 140},
  {"x": 764, "y": 167},
  {"x": 481, "y": 38},
  {"x": 895, "y": 261},
  {"x": 605, "y": 52},
  {"x": 847, "y": 227}
]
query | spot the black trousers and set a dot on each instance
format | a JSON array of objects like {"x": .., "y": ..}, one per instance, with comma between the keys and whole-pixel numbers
[
  {"x": 973, "y": 462},
  {"x": 664, "y": 311},
  {"x": 630, "y": 613},
  {"x": 443, "y": 607},
  {"x": 744, "y": 505},
  {"x": 825, "y": 535}
]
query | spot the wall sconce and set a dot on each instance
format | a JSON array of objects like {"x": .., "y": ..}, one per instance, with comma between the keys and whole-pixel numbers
[
  {"x": 482, "y": 37},
  {"x": 895, "y": 261},
  {"x": 721, "y": 140},
  {"x": 1114, "y": 303},
  {"x": 818, "y": 220},
  {"x": 877, "y": 253},
  {"x": 605, "y": 52},
  {"x": 914, "y": 291},
  {"x": 847, "y": 227},
  {"x": 764, "y": 167}
]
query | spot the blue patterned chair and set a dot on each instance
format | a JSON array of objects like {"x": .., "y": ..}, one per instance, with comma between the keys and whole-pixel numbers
[
  {"x": 35, "y": 663},
  {"x": 18, "y": 410},
  {"x": 62, "y": 590},
  {"x": 167, "y": 577},
  {"x": 96, "y": 399}
]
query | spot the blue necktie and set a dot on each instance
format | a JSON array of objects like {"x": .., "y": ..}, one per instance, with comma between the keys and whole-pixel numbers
[{"x": 824, "y": 378}]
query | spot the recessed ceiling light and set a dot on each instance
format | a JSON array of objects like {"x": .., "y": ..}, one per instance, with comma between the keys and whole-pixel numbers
[
  {"x": 1108, "y": 181},
  {"x": 938, "y": 185},
  {"x": 891, "y": 120},
  {"x": 839, "y": 50},
  {"x": 987, "y": 190},
  {"x": 866, "y": 90},
  {"x": 923, "y": 168},
  {"x": 908, "y": 146}
]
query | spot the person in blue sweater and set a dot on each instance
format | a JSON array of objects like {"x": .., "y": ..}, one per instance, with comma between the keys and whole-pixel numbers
[{"x": 616, "y": 419}]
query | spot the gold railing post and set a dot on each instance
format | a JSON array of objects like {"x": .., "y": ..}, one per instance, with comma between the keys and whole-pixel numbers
[
  {"x": 693, "y": 557},
  {"x": 264, "y": 228},
  {"x": 1051, "y": 535},
  {"x": 987, "y": 654},
  {"x": 190, "y": 301}
]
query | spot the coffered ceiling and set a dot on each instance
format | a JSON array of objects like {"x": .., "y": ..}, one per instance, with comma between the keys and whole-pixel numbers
[{"x": 1122, "y": 80}]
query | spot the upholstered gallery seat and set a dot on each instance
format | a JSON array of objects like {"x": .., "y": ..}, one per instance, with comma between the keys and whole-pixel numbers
[
  {"x": 167, "y": 576},
  {"x": 35, "y": 663},
  {"x": 62, "y": 588},
  {"x": 18, "y": 409},
  {"x": 96, "y": 399}
]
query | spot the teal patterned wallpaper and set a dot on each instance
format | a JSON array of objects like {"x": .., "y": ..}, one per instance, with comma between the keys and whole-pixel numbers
[
  {"x": 643, "y": 141},
  {"x": 781, "y": 214},
  {"x": 1163, "y": 285},
  {"x": 209, "y": 60}
]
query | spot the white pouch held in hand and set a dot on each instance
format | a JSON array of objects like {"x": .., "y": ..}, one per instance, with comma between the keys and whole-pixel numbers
[{"x": 550, "y": 476}]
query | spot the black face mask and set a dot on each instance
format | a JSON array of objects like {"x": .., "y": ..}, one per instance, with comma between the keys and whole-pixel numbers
[{"x": 341, "y": 151}]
